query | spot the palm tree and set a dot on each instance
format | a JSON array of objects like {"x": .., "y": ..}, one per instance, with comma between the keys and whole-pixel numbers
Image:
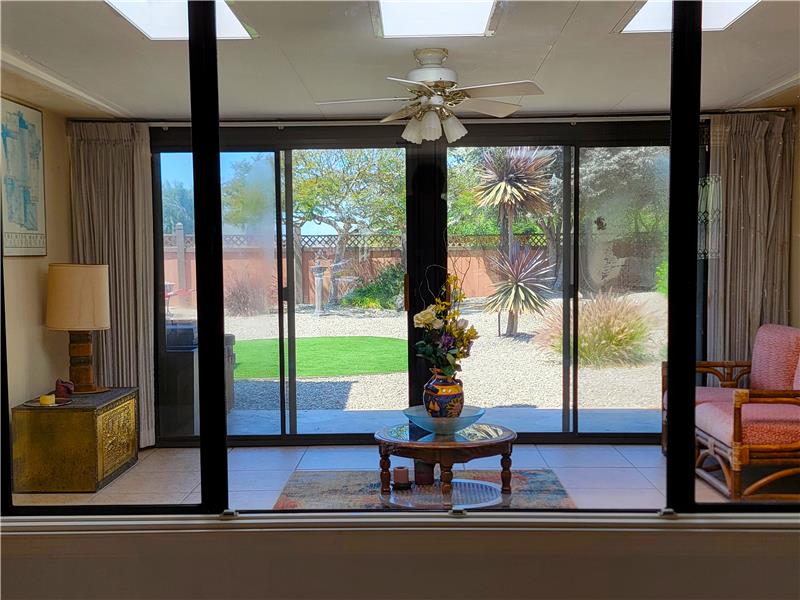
[
  {"x": 515, "y": 181},
  {"x": 525, "y": 278}
]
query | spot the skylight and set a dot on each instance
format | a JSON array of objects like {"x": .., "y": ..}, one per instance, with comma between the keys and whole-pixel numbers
[
  {"x": 169, "y": 19},
  {"x": 415, "y": 18},
  {"x": 656, "y": 15}
]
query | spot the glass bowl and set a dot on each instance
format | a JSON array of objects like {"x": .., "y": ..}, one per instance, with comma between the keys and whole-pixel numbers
[{"x": 443, "y": 425}]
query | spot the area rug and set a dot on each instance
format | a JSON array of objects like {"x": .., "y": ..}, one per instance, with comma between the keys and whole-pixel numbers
[{"x": 358, "y": 490}]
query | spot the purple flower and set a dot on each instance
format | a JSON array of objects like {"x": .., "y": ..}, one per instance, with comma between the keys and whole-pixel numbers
[{"x": 446, "y": 341}]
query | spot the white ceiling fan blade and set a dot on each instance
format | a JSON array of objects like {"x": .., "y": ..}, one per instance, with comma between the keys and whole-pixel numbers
[
  {"x": 363, "y": 100},
  {"x": 506, "y": 88},
  {"x": 414, "y": 85},
  {"x": 404, "y": 112},
  {"x": 494, "y": 108}
]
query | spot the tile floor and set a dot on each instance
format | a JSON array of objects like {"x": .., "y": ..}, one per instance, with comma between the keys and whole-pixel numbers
[{"x": 596, "y": 476}]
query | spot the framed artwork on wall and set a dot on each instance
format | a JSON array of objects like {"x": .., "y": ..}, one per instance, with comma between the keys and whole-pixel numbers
[{"x": 22, "y": 187}]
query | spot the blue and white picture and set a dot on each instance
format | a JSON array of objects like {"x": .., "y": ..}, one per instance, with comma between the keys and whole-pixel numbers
[{"x": 22, "y": 172}]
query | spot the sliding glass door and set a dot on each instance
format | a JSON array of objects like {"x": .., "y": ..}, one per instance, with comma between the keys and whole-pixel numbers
[
  {"x": 621, "y": 333},
  {"x": 251, "y": 283},
  {"x": 562, "y": 253},
  {"x": 347, "y": 354},
  {"x": 505, "y": 241}
]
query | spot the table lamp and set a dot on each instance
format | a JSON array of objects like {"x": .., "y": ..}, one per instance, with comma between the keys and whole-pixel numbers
[{"x": 78, "y": 302}]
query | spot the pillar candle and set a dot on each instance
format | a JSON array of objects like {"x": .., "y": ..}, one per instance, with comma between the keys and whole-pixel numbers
[{"x": 401, "y": 475}]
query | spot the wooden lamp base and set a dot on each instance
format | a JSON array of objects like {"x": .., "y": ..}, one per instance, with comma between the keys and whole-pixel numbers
[{"x": 81, "y": 363}]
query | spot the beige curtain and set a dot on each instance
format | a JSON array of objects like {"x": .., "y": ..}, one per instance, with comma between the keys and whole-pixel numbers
[
  {"x": 112, "y": 223},
  {"x": 748, "y": 281}
]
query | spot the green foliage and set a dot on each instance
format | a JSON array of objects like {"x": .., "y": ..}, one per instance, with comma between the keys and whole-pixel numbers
[
  {"x": 177, "y": 203},
  {"x": 353, "y": 190},
  {"x": 613, "y": 331},
  {"x": 524, "y": 279},
  {"x": 249, "y": 194},
  {"x": 662, "y": 277},
  {"x": 323, "y": 357},
  {"x": 627, "y": 186},
  {"x": 381, "y": 292}
]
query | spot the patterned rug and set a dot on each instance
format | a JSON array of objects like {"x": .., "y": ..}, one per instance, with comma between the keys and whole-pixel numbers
[{"x": 358, "y": 490}]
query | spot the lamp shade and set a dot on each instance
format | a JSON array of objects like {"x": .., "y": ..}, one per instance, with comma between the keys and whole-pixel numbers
[
  {"x": 413, "y": 131},
  {"x": 453, "y": 129},
  {"x": 431, "y": 126},
  {"x": 78, "y": 297}
]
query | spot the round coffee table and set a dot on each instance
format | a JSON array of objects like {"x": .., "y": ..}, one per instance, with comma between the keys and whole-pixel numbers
[{"x": 476, "y": 441}]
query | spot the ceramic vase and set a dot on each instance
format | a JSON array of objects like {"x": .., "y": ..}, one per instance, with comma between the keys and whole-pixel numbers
[{"x": 443, "y": 396}]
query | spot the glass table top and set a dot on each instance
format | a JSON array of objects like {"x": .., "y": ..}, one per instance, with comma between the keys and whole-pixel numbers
[{"x": 479, "y": 432}]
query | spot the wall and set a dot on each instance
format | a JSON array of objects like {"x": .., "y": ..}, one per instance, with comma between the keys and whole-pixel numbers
[
  {"x": 589, "y": 557},
  {"x": 37, "y": 356}
]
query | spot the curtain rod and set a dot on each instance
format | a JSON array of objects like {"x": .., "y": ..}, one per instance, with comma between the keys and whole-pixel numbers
[{"x": 518, "y": 120}]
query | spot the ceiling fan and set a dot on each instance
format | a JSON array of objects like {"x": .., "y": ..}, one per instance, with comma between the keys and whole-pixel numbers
[{"x": 435, "y": 96}]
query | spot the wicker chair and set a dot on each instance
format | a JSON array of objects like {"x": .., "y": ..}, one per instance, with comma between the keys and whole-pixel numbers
[{"x": 760, "y": 425}]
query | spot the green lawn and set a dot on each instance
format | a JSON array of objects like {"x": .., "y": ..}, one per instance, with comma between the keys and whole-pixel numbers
[{"x": 323, "y": 357}]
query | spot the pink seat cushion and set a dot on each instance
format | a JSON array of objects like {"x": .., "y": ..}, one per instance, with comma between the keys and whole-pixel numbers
[
  {"x": 776, "y": 353},
  {"x": 708, "y": 394},
  {"x": 761, "y": 423}
]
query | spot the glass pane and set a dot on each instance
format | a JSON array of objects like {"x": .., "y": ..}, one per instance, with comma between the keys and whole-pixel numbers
[
  {"x": 77, "y": 157},
  {"x": 252, "y": 380},
  {"x": 622, "y": 283},
  {"x": 351, "y": 355},
  {"x": 747, "y": 399},
  {"x": 506, "y": 248},
  {"x": 250, "y": 268}
]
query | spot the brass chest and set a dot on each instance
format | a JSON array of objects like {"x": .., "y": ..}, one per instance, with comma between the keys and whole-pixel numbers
[{"x": 78, "y": 447}]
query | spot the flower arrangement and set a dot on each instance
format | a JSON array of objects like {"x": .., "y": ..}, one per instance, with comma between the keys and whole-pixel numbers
[{"x": 447, "y": 338}]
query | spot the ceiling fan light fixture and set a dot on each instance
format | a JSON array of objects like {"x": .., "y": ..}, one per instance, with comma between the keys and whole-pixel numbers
[
  {"x": 413, "y": 131},
  {"x": 453, "y": 129},
  {"x": 431, "y": 126}
]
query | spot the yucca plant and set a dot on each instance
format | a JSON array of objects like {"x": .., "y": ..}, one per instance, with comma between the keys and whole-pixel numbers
[
  {"x": 612, "y": 331},
  {"x": 524, "y": 278},
  {"x": 515, "y": 181}
]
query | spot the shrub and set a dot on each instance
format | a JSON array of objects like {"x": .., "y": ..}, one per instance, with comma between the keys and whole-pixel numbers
[
  {"x": 245, "y": 297},
  {"x": 662, "y": 272},
  {"x": 613, "y": 331},
  {"x": 381, "y": 292},
  {"x": 524, "y": 280}
]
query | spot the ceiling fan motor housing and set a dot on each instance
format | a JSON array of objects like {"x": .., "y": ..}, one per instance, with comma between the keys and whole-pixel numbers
[{"x": 430, "y": 70}]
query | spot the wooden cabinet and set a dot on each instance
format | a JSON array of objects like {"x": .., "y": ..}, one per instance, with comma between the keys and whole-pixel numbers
[{"x": 78, "y": 447}]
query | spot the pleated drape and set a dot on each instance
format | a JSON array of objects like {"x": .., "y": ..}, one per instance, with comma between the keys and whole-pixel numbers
[
  {"x": 748, "y": 281},
  {"x": 112, "y": 223}
]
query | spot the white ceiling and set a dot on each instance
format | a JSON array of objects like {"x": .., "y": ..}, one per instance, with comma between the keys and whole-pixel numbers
[{"x": 313, "y": 51}]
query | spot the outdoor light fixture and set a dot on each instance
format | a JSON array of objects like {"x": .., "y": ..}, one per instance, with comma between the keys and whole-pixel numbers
[
  {"x": 656, "y": 15},
  {"x": 423, "y": 18},
  {"x": 169, "y": 19}
]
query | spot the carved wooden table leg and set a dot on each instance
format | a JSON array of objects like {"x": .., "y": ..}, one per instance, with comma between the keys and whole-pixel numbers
[
  {"x": 505, "y": 474},
  {"x": 447, "y": 479},
  {"x": 386, "y": 476}
]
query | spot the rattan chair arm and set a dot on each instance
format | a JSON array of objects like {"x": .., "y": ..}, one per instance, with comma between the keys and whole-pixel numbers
[{"x": 727, "y": 372}]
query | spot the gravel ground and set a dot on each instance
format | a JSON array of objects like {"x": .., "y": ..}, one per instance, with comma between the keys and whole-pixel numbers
[{"x": 501, "y": 371}]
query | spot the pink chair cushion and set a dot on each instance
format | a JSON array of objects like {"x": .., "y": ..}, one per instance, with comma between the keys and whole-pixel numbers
[
  {"x": 776, "y": 353},
  {"x": 761, "y": 423}
]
